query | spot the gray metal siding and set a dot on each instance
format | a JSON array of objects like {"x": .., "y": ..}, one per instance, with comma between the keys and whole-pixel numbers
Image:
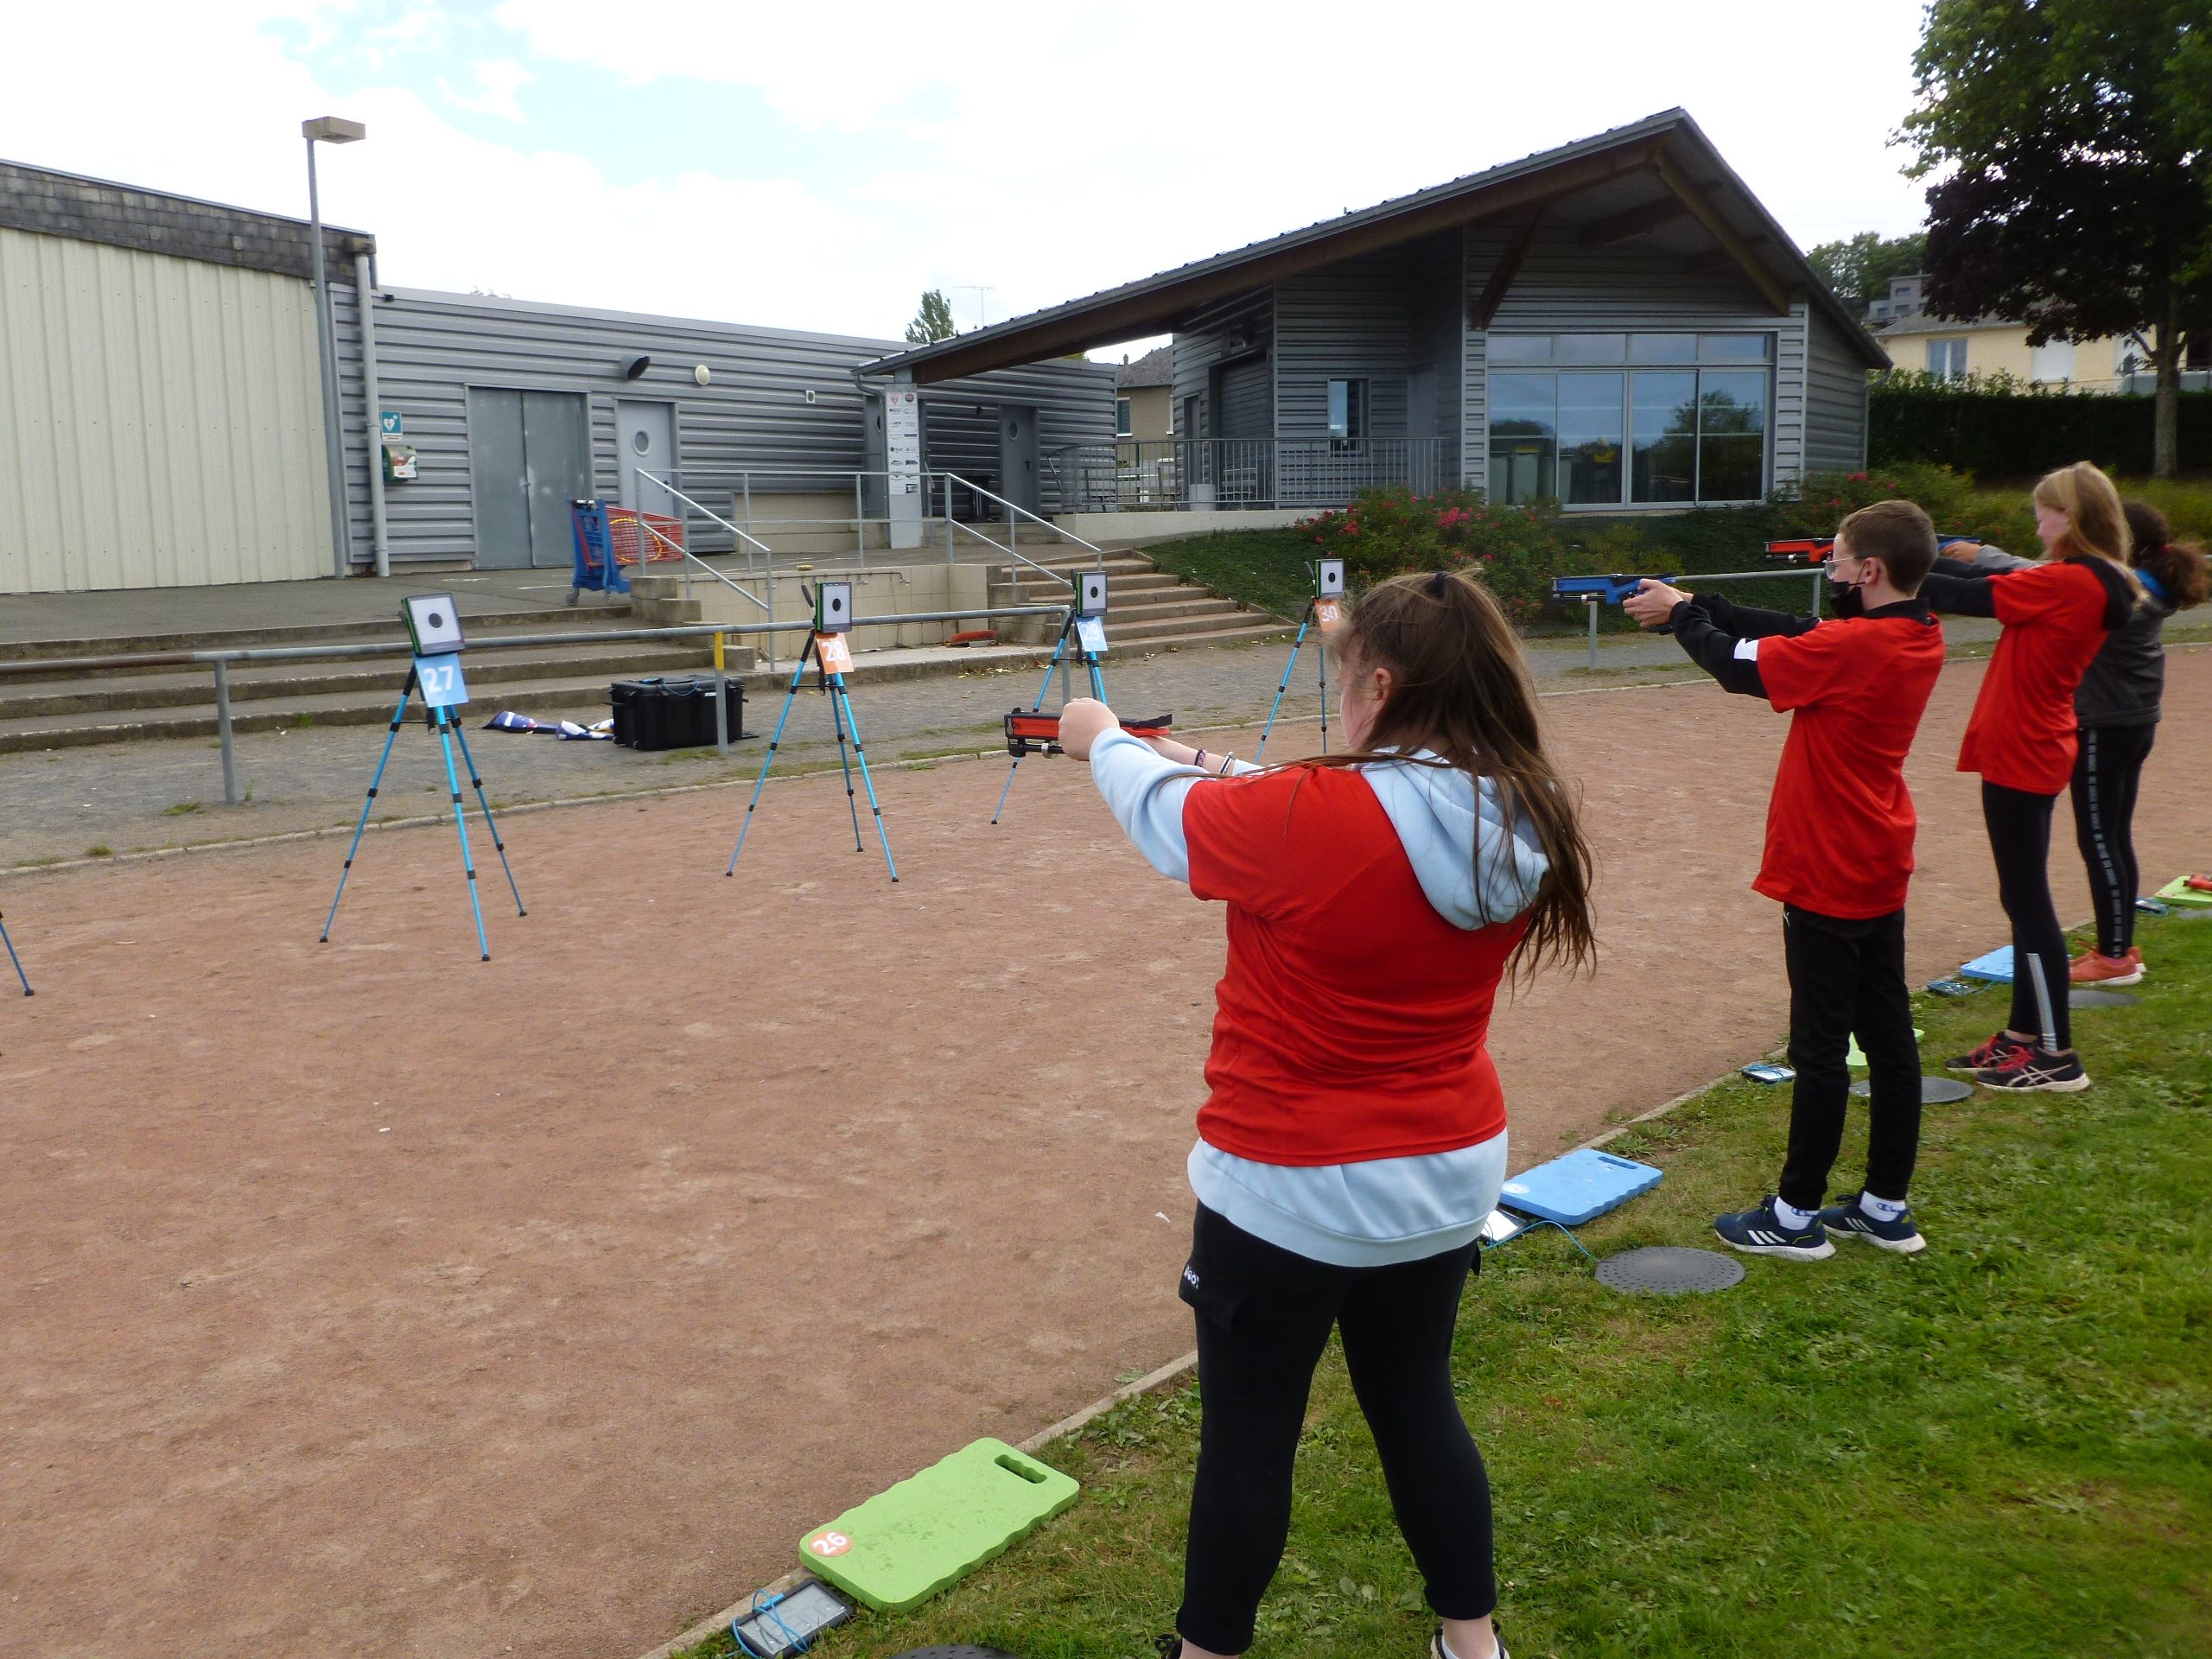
[
  {"x": 1434, "y": 333},
  {"x": 1563, "y": 287},
  {"x": 1208, "y": 338},
  {"x": 753, "y": 415},
  {"x": 1835, "y": 402},
  {"x": 1346, "y": 322}
]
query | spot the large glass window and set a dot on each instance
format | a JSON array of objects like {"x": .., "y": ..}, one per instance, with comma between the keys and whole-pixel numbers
[
  {"x": 1589, "y": 438},
  {"x": 1689, "y": 431},
  {"x": 1662, "y": 424},
  {"x": 1731, "y": 434},
  {"x": 1524, "y": 437},
  {"x": 1946, "y": 359}
]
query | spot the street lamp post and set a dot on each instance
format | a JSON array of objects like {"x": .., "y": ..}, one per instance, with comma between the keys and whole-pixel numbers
[{"x": 329, "y": 130}]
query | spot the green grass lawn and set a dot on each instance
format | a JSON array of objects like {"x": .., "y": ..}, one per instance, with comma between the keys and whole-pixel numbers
[
  {"x": 1998, "y": 1448},
  {"x": 1266, "y": 567}
]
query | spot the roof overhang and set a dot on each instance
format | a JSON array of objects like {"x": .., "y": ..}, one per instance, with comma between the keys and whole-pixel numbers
[{"x": 1658, "y": 178}]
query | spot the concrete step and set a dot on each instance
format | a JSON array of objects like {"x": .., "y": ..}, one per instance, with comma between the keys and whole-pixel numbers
[
  {"x": 584, "y": 615},
  {"x": 1266, "y": 627},
  {"x": 191, "y": 687}
]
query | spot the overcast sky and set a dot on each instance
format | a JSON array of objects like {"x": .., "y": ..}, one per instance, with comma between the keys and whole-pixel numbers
[{"x": 817, "y": 165}]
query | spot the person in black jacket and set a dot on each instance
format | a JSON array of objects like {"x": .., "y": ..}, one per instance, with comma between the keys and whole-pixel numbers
[{"x": 2116, "y": 711}]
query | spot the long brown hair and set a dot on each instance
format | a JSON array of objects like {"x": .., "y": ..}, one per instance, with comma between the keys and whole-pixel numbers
[
  {"x": 2095, "y": 524},
  {"x": 2179, "y": 568},
  {"x": 1461, "y": 689}
]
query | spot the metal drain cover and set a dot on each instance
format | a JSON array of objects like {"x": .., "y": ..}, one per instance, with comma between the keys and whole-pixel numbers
[
  {"x": 1668, "y": 1270},
  {"x": 2101, "y": 1000},
  {"x": 1934, "y": 1091}
]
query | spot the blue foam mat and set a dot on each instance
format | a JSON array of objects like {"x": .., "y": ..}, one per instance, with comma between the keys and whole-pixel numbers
[
  {"x": 1996, "y": 967},
  {"x": 1578, "y": 1187}
]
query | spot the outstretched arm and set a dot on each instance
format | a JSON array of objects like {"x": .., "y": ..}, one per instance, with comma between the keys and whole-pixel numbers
[
  {"x": 1975, "y": 595},
  {"x": 1732, "y": 658}
]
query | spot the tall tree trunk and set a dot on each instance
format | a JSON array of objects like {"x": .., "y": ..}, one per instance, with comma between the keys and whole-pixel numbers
[{"x": 2165, "y": 417}]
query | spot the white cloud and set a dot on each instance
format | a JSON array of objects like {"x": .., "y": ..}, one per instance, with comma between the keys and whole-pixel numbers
[
  {"x": 497, "y": 83},
  {"x": 1048, "y": 151}
]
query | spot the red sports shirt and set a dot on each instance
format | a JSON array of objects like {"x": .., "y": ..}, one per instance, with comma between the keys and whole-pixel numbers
[
  {"x": 1350, "y": 1022},
  {"x": 1840, "y": 824},
  {"x": 2021, "y": 732}
]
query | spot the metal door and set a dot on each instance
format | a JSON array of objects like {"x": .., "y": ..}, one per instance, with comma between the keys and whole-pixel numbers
[
  {"x": 529, "y": 456},
  {"x": 499, "y": 478},
  {"x": 645, "y": 440},
  {"x": 1018, "y": 480}
]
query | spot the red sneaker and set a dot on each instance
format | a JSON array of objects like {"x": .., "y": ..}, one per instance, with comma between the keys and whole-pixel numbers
[{"x": 2095, "y": 968}]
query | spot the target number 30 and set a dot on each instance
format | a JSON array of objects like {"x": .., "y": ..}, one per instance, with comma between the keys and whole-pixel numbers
[{"x": 828, "y": 1544}]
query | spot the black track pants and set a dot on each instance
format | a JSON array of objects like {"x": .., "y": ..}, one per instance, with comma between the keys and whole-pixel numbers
[
  {"x": 2019, "y": 839},
  {"x": 2106, "y": 772},
  {"x": 1264, "y": 1314},
  {"x": 1847, "y": 977}
]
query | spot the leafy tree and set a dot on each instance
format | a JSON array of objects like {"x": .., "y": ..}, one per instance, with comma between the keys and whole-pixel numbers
[
  {"x": 933, "y": 321},
  {"x": 2070, "y": 143},
  {"x": 1860, "y": 269}
]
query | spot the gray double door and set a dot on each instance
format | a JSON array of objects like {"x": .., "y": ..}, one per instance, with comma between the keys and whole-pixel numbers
[{"x": 529, "y": 457}]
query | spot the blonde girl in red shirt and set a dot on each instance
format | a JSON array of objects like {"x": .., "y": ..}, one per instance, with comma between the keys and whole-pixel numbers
[
  {"x": 1353, "y": 1139},
  {"x": 2021, "y": 737}
]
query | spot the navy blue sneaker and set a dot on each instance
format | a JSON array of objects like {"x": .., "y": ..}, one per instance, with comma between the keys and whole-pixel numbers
[
  {"x": 1848, "y": 1220},
  {"x": 1761, "y": 1232}
]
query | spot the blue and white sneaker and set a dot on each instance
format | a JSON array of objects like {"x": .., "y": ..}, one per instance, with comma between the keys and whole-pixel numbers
[
  {"x": 1848, "y": 1220},
  {"x": 1761, "y": 1232}
]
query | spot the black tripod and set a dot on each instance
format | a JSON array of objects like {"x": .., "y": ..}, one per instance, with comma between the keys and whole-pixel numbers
[{"x": 1090, "y": 660}]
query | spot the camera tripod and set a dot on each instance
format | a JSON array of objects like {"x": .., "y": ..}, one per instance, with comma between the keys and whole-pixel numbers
[
  {"x": 841, "y": 719},
  {"x": 1088, "y": 656}
]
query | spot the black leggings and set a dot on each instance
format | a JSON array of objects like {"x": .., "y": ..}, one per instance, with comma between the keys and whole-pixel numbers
[
  {"x": 2106, "y": 772},
  {"x": 1846, "y": 977},
  {"x": 1264, "y": 1314},
  {"x": 2019, "y": 838}
]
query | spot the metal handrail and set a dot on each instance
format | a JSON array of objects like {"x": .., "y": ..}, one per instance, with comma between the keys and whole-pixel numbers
[
  {"x": 221, "y": 659},
  {"x": 765, "y": 606},
  {"x": 1097, "y": 553}
]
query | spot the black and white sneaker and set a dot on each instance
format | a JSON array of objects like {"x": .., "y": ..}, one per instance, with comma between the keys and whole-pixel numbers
[
  {"x": 1761, "y": 1232},
  {"x": 1848, "y": 1220},
  {"x": 2026, "y": 1070},
  {"x": 1438, "y": 1651}
]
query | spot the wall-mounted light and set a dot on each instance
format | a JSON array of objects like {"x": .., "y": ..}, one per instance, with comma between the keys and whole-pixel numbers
[
  {"x": 633, "y": 367},
  {"x": 703, "y": 374},
  {"x": 809, "y": 394}
]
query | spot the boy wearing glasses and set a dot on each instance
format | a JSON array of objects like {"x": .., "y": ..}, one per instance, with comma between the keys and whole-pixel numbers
[{"x": 1839, "y": 854}]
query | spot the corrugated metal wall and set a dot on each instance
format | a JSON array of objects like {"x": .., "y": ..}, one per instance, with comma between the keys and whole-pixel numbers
[
  {"x": 1347, "y": 321},
  {"x": 753, "y": 415},
  {"x": 1835, "y": 402},
  {"x": 1564, "y": 287},
  {"x": 1230, "y": 329},
  {"x": 1435, "y": 325},
  {"x": 160, "y": 421}
]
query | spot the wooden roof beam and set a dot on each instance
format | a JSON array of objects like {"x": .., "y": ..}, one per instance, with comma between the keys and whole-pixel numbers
[
  {"x": 1509, "y": 267},
  {"x": 1734, "y": 244},
  {"x": 1627, "y": 226}
]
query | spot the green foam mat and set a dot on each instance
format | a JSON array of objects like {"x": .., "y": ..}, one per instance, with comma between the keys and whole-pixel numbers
[
  {"x": 2178, "y": 892},
  {"x": 1857, "y": 1061},
  {"x": 901, "y": 1547}
]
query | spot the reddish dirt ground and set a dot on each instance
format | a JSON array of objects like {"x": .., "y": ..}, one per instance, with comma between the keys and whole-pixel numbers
[{"x": 362, "y": 1300}]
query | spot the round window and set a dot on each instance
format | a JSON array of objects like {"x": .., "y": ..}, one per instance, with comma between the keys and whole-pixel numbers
[{"x": 642, "y": 441}]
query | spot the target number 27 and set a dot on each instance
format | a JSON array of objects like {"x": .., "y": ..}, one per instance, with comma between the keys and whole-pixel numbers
[{"x": 440, "y": 677}]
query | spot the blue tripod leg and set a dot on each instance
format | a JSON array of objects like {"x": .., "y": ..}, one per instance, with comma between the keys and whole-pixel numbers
[
  {"x": 837, "y": 706},
  {"x": 398, "y": 715},
  {"x": 1097, "y": 676},
  {"x": 791, "y": 692},
  {"x": 838, "y": 691},
  {"x": 460, "y": 823},
  {"x": 476, "y": 782},
  {"x": 1043, "y": 691},
  {"x": 1289, "y": 669},
  {"x": 18, "y": 960}
]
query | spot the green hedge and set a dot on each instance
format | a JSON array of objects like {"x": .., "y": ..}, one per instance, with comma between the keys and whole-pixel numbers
[{"x": 1998, "y": 427}]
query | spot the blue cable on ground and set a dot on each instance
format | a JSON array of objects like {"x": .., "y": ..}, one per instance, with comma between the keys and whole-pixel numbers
[
  {"x": 1536, "y": 1222},
  {"x": 794, "y": 1643}
]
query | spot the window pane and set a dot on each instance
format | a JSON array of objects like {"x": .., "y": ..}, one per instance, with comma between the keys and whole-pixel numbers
[
  {"x": 1520, "y": 348},
  {"x": 1734, "y": 348},
  {"x": 1732, "y": 435},
  {"x": 1593, "y": 349},
  {"x": 1590, "y": 437},
  {"x": 1662, "y": 348},
  {"x": 1121, "y": 417},
  {"x": 1663, "y": 422},
  {"x": 1356, "y": 408},
  {"x": 1523, "y": 436}
]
